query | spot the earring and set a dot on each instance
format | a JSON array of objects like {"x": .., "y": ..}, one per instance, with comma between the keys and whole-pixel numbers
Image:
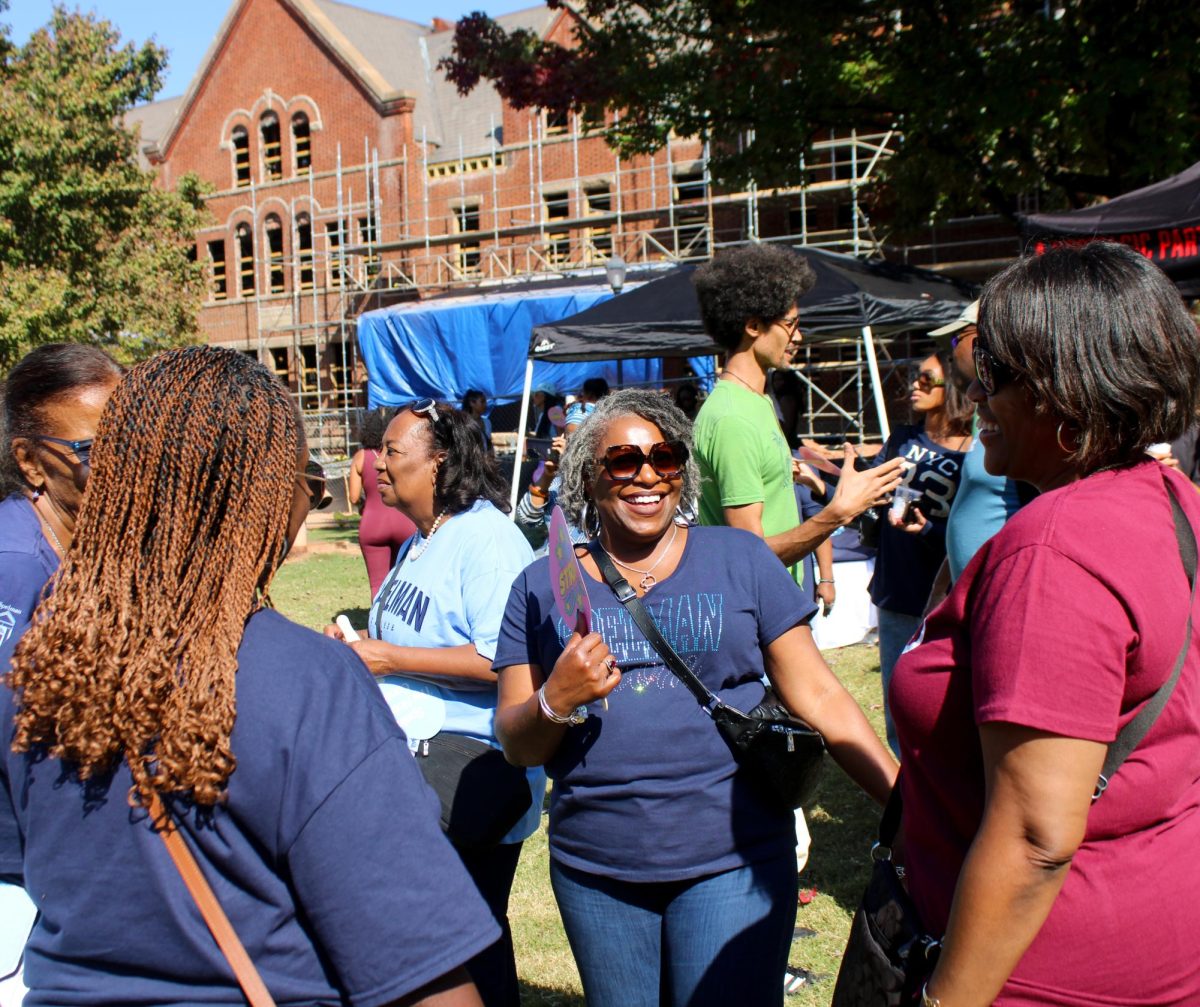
[
  {"x": 1058, "y": 436},
  {"x": 685, "y": 516},
  {"x": 589, "y": 520},
  {"x": 37, "y": 492}
]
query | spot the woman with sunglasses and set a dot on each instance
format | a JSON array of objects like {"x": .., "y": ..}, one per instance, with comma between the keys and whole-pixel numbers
[
  {"x": 159, "y": 685},
  {"x": 912, "y": 545},
  {"x": 52, "y": 403},
  {"x": 433, "y": 628},
  {"x": 676, "y": 884},
  {"x": 1051, "y": 884}
]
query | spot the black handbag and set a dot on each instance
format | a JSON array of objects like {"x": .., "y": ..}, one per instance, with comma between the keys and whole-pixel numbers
[
  {"x": 780, "y": 754},
  {"x": 889, "y": 956},
  {"x": 482, "y": 794}
]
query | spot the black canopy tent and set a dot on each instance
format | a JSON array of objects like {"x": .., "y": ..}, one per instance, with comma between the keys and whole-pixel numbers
[
  {"x": 1162, "y": 221},
  {"x": 662, "y": 318}
]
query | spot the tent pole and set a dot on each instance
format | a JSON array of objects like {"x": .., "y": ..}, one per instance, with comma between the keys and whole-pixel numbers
[
  {"x": 876, "y": 384},
  {"x": 516, "y": 476}
]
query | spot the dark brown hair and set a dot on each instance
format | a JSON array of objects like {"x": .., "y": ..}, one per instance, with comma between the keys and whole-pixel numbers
[
  {"x": 1102, "y": 340},
  {"x": 181, "y": 530},
  {"x": 37, "y": 379}
]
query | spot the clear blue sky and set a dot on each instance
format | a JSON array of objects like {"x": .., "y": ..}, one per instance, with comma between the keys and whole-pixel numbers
[{"x": 186, "y": 27}]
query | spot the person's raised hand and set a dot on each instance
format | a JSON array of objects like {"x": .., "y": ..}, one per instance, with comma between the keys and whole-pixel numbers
[
  {"x": 860, "y": 491},
  {"x": 584, "y": 672},
  {"x": 914, "y": 525}
]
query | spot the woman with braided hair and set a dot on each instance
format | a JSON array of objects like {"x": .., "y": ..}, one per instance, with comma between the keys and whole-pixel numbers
[{"x": 158, "y": 670}]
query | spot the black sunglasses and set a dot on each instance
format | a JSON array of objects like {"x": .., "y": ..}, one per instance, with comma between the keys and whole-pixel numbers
[
  {"x": 426, "y": 408},
  {"x": 991, "y": 373},
  {"x": 623, "y": 462},
  {"x": 927, "y": 381},
  {"x": 314, "y": 479}
]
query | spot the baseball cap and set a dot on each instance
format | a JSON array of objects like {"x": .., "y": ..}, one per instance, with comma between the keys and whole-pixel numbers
[{"x": 969, "y": 316}]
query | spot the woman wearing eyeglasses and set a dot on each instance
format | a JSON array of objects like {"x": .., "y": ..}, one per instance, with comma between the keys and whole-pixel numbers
[
  {"x": 52, "y": 403},
  {"x": 1051, "y": 885},
  {"x": 912, "y": 544},
  {"x": 676, "y": 884},
  {"x": 433, "y": 628},
  {"x": 160, "y": 678}
]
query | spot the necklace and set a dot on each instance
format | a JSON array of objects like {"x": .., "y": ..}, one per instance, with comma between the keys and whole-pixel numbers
[
  {"x": 53, "y": 538},
  {"x": 414, "y": 554},
  {"x": 737, "y": 377},
  {"x": 648, "y": 579}
]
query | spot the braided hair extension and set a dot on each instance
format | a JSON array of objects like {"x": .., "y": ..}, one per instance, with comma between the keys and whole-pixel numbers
[{"x": 182, "y": 528}]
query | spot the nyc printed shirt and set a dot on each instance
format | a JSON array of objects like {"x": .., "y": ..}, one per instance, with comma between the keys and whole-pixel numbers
[
  {"x": 27, "y": 562},
  {"x": 647, "y": 790},
  {"x": 908, "y": 564}
]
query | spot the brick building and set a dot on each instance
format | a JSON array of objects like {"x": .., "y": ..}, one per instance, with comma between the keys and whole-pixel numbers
[{"x": 347, "y": 174}]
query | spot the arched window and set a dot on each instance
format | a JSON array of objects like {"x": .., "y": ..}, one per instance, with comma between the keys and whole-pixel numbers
[
  {"x": 304, "y": 250},
  {"x": 245, "y": 250},
  {"x": 274, "y": 231},
  {"x": 301, "y": 143},
  {"x": 241, "y": 157},
  {"x": 272, "y": 151}
]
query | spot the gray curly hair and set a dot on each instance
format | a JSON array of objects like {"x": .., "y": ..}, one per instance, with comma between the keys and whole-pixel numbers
[{"x": 579, "y": 458}]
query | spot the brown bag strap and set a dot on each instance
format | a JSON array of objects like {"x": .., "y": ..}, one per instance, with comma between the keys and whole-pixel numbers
[{"x": 214, "y": 916}]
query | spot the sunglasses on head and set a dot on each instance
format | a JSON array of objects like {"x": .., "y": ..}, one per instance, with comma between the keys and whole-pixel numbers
[
  {"x": 991, "y": 373},
  {"x": 82, "y": 450},
  {"x": 426, "y": 408},
  {"x": 314, "y": 480},
  {"x": 623, "y": 462}
]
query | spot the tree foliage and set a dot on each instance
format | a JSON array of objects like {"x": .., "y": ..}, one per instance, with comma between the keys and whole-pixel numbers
[
  {"x": 91, "y": 249},
  {"x": 995, "y": 99}
]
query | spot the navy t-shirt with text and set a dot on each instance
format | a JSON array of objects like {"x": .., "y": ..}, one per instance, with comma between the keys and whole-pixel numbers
[
  {"x": 907, "y": 564},
  {"x": 647, "y": 790}
]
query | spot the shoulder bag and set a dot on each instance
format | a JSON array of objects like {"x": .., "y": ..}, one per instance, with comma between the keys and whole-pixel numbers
[
  {"x": 889, "y": 955},
  {"x": 780, "y": 754}
]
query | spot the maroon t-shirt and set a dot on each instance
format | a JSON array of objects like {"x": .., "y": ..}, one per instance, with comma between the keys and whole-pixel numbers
[{"x": 1066, "y": 622}]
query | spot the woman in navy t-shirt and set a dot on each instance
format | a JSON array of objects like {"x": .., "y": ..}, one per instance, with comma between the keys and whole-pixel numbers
[
  {"x": 676, "y": 883},
  {"x": 158, "y": 671},
  {"x": 52, "y": 403},
  {"x": 911, "y": 551}
]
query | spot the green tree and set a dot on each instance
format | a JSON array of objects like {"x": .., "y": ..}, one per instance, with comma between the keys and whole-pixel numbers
[
  {"x": 91, "y": 249},
  {"x": 995, "y": 98}
]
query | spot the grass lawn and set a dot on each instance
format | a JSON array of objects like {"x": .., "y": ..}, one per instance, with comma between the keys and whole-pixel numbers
[{"x": 313, "y": 589}]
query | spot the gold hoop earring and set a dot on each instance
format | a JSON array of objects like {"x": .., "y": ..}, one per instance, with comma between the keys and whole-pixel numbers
[{"x": 1058, "y": 436}]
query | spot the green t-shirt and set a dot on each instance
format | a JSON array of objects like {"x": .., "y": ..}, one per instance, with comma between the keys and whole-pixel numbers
[{"x": 744, "y": 459}]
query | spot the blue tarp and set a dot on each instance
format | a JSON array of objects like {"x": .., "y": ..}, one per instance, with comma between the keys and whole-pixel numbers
[{"x": 443, "y": 348}]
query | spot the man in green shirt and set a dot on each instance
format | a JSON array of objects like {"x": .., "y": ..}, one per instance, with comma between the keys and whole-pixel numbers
[{"x": 749, "y": 299}]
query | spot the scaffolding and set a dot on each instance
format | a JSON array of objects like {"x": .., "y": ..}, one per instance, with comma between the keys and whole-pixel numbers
[{"x": 556, "y": 202}]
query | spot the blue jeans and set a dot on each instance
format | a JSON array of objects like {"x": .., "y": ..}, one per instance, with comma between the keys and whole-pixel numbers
[
  {"x": 702, "y": 942},
  {"x": 895, "y": 630}
]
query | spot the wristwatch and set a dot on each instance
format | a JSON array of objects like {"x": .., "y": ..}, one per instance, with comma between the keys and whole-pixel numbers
[
  {"x": 576, "y": 716},
  {"x": 927, "y": 1000}
]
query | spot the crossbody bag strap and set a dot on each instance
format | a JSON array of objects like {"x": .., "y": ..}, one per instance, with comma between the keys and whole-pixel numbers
[
  {"x": 206, "y": 901},
  {"x": 1131, "y": 734},
  {"x": 627, "y": 596}
]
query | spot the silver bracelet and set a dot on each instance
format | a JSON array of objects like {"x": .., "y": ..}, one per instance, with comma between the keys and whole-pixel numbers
[
  {"x": 825, "y": 580},
  {"x": 576, "y": 716}
]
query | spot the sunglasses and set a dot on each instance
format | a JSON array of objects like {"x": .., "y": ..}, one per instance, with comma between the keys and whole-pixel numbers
[
  {"x": 82, "y": 450},
  {"x": 991, "y": 373},
  {"x": 314, "y": 480},
  {"x": 927, "y": 381},
  {"x": 623, "y": 462},
  {"x": 426, "y": 408}
]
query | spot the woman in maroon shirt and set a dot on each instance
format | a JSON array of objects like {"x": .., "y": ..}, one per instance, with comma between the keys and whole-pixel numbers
[{"x": 1054, "y": 637}]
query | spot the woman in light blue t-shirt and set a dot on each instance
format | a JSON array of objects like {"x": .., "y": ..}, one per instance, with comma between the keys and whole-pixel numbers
[{"x": 434, "y": 625}]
